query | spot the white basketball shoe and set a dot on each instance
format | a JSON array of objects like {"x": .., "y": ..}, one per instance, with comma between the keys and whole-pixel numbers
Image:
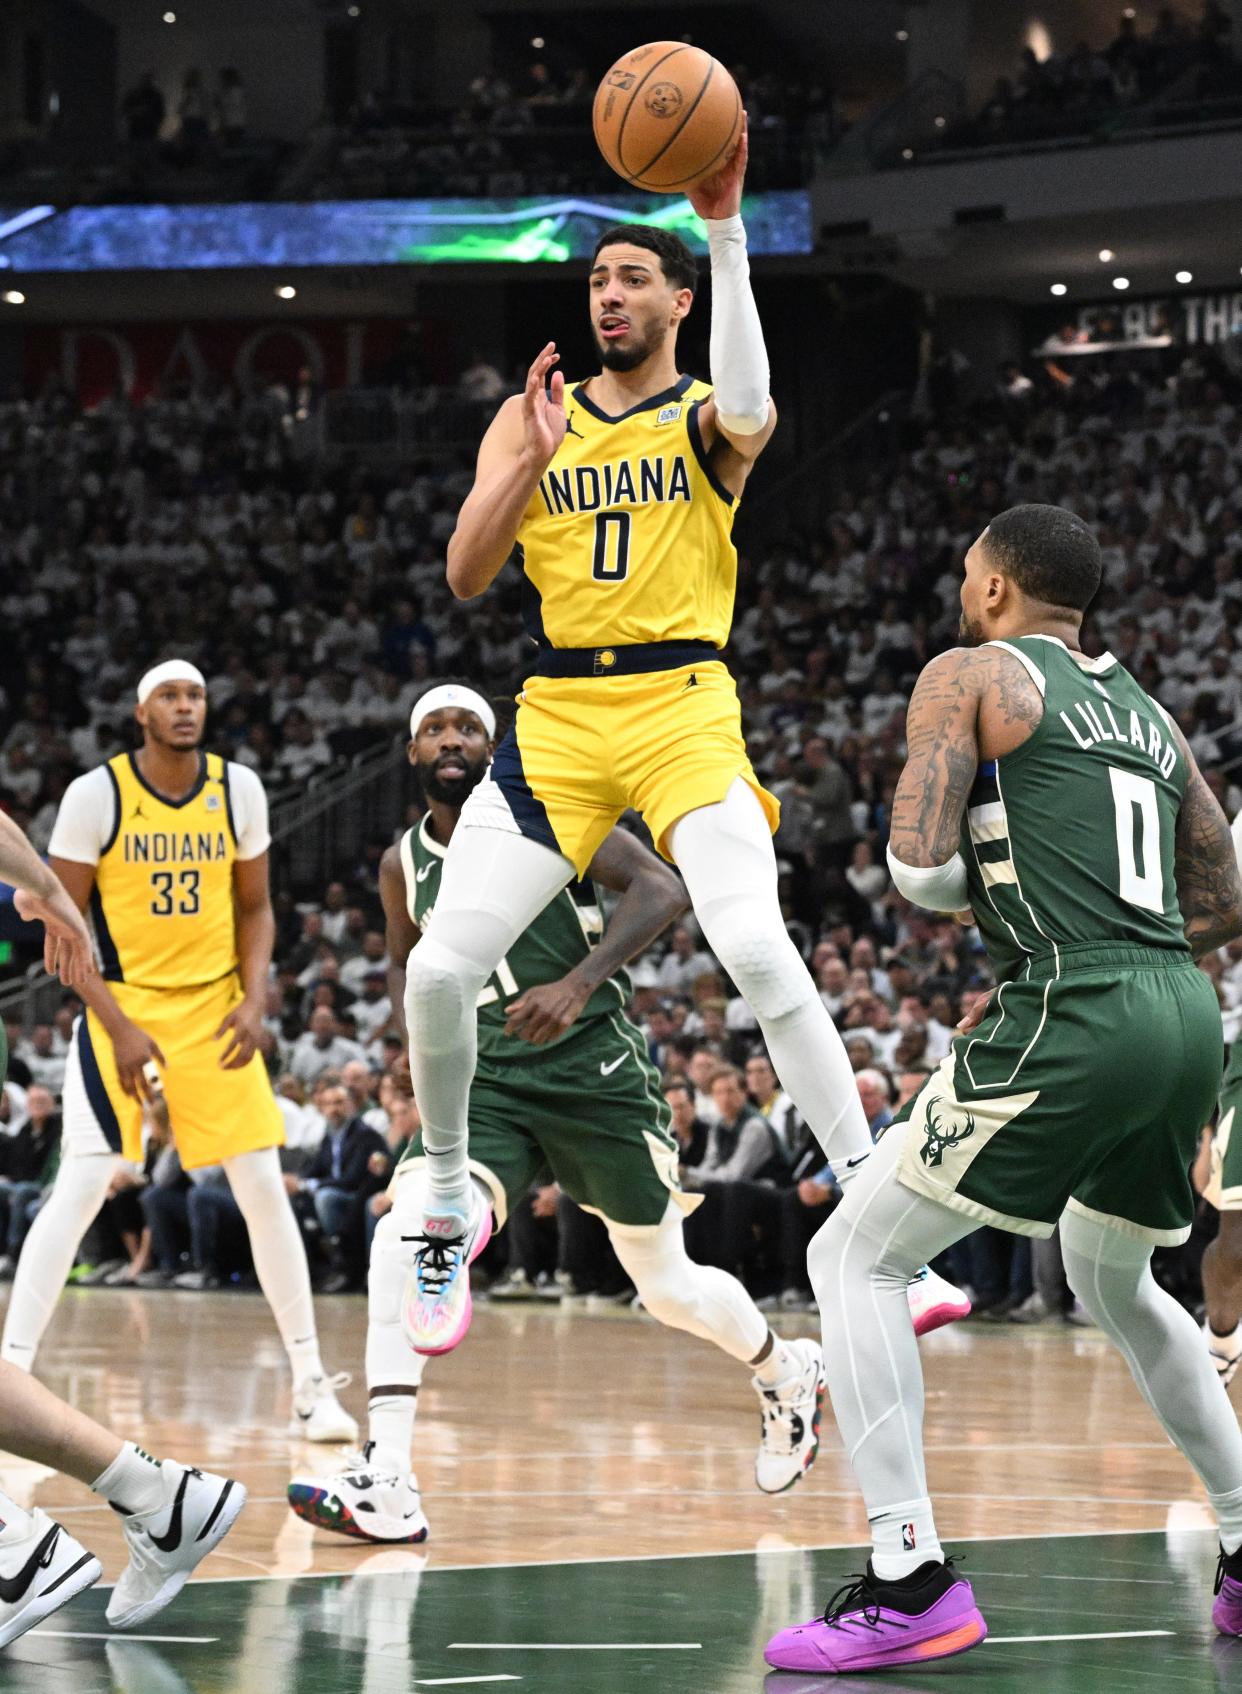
[
  {"x": 436, "y": 1309},
  {"x": 789, "y": 1435},
  {"x": 317, "y": 1413},
  {"x": 41, "y": 1569},
  {"x": 369, "y": 1500},
  {"x": 167, "y": 1544},
  {"x": 934, "y": 1302}
]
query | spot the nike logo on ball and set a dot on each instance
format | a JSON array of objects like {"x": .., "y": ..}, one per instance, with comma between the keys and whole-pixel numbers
[{"x": 607, "y": 1070}]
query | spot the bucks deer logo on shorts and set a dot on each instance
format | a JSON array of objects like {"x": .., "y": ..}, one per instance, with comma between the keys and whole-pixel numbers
[{"x": 938, "y": 1137}]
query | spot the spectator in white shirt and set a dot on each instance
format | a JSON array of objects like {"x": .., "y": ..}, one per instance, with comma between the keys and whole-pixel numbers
[
  {"x": 321, "y": 1048},
  {"x": 683, "y": 964},
  {"x": 45, "y": 1064}
]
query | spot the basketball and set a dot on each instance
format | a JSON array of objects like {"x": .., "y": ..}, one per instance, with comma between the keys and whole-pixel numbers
[{"x": 666, "y": 115}]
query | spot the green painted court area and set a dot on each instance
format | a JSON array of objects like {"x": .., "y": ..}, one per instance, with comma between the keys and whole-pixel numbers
[{"x": 1067, "y": 1615}]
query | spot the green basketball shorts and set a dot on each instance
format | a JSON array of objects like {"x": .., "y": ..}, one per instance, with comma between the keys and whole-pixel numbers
[
  {"x": 1224, "y": 1188},
  {"x": 588, "y": 1113},
  {"x": 1087, "y": 1084}
]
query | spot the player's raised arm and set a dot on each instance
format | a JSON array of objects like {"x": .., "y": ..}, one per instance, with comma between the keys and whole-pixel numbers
[
  {"x": 652, "y": 897},
  {"x": 518, "y": 447},
  {"x": 1209, "y": 888},
  {"x": 739, "y": 418}
]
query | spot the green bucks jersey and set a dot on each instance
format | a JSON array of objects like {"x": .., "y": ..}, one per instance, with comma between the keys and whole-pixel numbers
[
  {"x": 560, "y": 938},
  {"x": 1069, "y": 840}
]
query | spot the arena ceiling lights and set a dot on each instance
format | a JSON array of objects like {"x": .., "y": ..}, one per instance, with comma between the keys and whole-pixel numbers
[{"x": 365, "y": 232}]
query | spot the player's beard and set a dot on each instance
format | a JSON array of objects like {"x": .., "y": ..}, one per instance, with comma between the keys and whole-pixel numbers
[
  {"x": 969, "y": 633},
  {"x": 451, "y": 791},
  {"x": 159, "y": 740},
  {"x": 614, "y": 357}
]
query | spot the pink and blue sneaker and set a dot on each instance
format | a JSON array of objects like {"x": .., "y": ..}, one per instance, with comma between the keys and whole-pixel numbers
[
  {"x": 436, "y": 1309},
  {"x": 875, "y": 1625},
  {"x": 1227, "y": 1608}
]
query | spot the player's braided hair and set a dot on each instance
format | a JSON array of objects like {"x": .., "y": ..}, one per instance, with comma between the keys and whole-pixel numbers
[
  {"x": 1049, "y": 552},
  {"x": 676, "y": 260}
]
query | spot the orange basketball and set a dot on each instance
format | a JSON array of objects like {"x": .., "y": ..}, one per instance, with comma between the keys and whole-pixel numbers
[{"x": 667, "y": 115}]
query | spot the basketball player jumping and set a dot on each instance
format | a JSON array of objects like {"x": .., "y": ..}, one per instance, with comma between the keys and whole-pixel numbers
[
  {"x": 173, "y": 1515},
  {"x": 167, "y": 849},
  {"x": 1222, "y": 1263},
  {"x": 619, "y": 493},
  {"x": 563, "y": 1089},
  {"x": 1048, "y": 794}
]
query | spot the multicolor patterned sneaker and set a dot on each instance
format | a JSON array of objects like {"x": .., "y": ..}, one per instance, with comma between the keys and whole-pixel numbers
[
  {"x": 1227, "y": 1610},
  {"x": 436, "y": 1310},
  {"x": 934, "y": 1302},
  {"x": 789, "y": 1435},
  {"x": 366, "y": 1499},
  {"x": 873, "y": 1625}
]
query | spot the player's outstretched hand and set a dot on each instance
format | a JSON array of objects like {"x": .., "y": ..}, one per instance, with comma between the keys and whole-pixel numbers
[
  {"x": 542, "y": 1014},
  {"x": 243, "y": 1026},
  {"x": 67, "y": 950},
  {"x": 543, "y": 407},
  {"x": 720, "y": 195}
]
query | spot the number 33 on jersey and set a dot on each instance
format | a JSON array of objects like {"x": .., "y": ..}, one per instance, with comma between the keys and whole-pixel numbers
[{"x": 628, "y": 537}]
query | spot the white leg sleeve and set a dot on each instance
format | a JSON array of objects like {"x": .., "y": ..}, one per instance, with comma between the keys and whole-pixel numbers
[
  {"x": 47, "y": 1256},
  {"x": 1161, "y": 1343},
  {"x": 704, "y": 1301},
  {"x": 859, "y": 1264},
  {"x": 493, "y": 885},
  {"x": 725, "y": 854},
  {"x": 394, "y": 1369},
  {"x": 278, "y": 1253}
]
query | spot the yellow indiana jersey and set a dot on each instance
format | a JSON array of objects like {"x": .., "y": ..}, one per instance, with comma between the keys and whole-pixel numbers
[
  {"x": 628, "y": 537},
  {"x": 162, "y": 904}
]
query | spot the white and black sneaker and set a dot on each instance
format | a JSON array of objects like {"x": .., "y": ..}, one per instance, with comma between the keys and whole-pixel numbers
[
  {"x": 791, "y": 1411},
  {"x": 368, "y": 1500},
  {"x": 167, "y": 1544},
  {"x": 1225, "y": 1351},
  {"x": 41, "y": 1569},
  {"x": 317, "y": 1413}
]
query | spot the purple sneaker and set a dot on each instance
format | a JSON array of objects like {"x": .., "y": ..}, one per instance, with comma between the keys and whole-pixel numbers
[
  {"x": 1227, "y": 1610},
  {"x": 873, "y": 1625}
]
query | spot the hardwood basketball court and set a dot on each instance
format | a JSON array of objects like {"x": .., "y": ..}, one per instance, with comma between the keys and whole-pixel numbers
[{"x": 594, "y": 1525}]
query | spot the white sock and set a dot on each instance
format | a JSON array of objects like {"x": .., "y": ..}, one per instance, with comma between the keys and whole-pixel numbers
[
  {"x": 394, "y": 1370},
  {"x": 904, "y": 1538},
  {"x": 781, "y": 1364},
  {"x": 279, "y": 1256},
  {"x": 134, "y": 1481},
  {"x": 390, "y": 1428},
  {"x": 1228, "y": 1509},
  {"x": 47, "y": 1257}
]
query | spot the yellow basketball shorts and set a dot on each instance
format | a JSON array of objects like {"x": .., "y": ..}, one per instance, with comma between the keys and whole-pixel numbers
[
  {"x": 215, "y": 1114},
  {"x": 585, "y": 749}
]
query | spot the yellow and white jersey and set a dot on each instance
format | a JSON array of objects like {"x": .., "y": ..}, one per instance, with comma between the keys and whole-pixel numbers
[
  {"x": 162, "y": 905},
  {"x": 628, "y": 537}
]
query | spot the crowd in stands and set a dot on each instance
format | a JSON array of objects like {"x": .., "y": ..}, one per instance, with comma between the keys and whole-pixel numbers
[
  {"x": 532, "y": 135},
  {"x": 1182, "y": 62},
  {"x": 315, "y": 602}
]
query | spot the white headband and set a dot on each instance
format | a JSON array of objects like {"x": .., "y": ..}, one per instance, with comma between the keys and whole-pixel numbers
[
  {"x": 172, "y": 670},
  {"x": 450, "y": 694}
]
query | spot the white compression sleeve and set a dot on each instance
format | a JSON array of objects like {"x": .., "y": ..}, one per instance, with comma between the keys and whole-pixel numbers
[
  {"x": 934, "y": 888},
  {"x": 704, "y": 1301},
  {"x": 738, "y": 357},
  {"x": 279, "y": 1256},
  {"x": 79, "y": 1191}
]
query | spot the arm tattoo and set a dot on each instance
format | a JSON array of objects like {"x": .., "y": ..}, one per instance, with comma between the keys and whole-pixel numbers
[
  {"x": 954, "y": 694},
  {"x": 1209, "y": 888}
]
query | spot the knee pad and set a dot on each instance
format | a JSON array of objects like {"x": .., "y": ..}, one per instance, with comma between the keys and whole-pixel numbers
[
  {"x": 441, "y": 988},
  {"x": 749, "y": 939}
]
